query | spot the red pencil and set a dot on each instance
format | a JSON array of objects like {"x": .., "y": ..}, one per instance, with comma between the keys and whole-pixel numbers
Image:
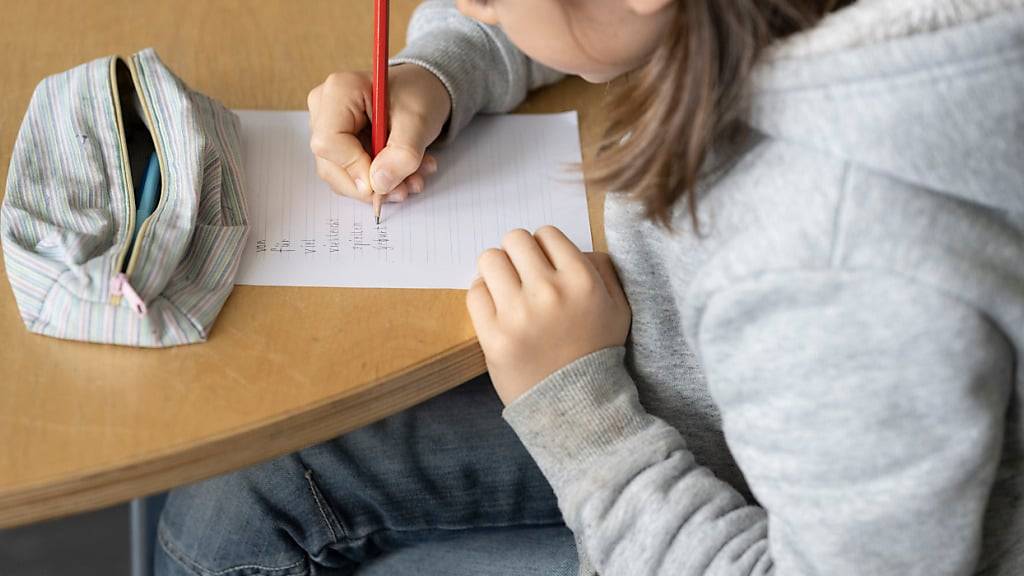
[{"x": 380, "y": 86}]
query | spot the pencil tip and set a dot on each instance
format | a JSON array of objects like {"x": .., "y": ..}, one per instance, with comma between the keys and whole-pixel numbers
[{"x": 378, "y": 220}]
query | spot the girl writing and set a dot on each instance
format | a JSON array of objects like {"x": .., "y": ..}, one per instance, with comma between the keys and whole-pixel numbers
[{"x": 811, "y": 364}]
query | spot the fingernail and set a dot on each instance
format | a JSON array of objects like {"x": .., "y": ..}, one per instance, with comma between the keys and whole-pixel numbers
[
  {"x": 362, "y": 187},
  {"x": 429, "y": 165},
  {"x": 416, "y": 187},
  {"x": 395, "y": 198},
  {"x": 383, "y": 181}
]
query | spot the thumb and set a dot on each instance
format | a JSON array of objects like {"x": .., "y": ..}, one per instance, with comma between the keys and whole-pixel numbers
[{"x": 403, "y": 154}]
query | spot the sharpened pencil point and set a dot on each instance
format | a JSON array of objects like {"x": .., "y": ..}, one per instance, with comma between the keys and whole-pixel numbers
[{"x": 378, "y": 220}]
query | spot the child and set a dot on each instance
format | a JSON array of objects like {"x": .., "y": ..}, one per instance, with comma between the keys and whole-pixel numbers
[{"x": 819, "y": 227}]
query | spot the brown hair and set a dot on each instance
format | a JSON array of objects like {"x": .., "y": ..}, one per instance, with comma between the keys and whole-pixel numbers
[{"x": 691, "y": 97}]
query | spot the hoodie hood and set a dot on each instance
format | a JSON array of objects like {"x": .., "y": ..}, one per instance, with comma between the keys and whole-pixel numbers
[{"x": 927, "y": 91}]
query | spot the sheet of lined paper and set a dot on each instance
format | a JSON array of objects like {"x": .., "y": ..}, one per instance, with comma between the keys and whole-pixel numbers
[{"x": 502, "y": 172}]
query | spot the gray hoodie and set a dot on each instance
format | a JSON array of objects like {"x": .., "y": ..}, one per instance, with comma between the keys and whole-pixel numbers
[{"x": 828, "y": 379}]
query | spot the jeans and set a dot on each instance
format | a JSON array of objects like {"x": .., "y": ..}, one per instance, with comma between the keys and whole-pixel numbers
[{"x": 442, "y": 488}]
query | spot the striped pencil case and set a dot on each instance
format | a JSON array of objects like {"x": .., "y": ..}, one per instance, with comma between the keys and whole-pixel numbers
[{"x": 124, "y": 216}]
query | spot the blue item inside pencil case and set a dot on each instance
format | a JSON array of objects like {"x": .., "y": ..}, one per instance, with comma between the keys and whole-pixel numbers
[
  {"x": 147, "y": 195},
  {"x": 143, "y": 160}
]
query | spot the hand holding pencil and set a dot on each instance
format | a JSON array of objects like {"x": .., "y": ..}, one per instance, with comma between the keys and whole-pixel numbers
[{"x": 340, "y": 118}]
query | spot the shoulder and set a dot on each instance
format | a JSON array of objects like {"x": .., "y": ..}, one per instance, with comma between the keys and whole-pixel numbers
[{"x": 784, "y": 209}]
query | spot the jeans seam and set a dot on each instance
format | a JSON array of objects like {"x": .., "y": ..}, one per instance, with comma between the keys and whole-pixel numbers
[
  {"x": 188, "y": 564},
  {"x": 322, "y": 507},
  {"x": 496, "y": 525}
]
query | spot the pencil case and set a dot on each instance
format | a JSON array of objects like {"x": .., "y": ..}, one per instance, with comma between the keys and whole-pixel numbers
[{"x": 79, "y": 264}]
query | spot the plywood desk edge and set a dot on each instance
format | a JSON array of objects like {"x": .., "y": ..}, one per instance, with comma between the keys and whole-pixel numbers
[{"x": 238, "y": 448}]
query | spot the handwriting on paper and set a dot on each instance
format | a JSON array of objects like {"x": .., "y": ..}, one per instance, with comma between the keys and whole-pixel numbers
[{"x": 502, "y": 172}]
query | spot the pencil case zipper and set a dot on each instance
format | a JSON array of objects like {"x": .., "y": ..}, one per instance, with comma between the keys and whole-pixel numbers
[{"x": 124, "y": 264}]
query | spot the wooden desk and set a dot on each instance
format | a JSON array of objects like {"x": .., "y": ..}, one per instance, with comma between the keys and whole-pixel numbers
[{"x": 83, "y": 425}]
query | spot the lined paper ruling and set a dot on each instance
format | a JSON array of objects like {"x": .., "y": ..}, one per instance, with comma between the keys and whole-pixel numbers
[{"x": 501, "y": 173}]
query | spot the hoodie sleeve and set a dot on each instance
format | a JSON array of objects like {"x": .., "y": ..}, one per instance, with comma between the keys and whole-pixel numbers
[
  {"x": 865, "y": 411},
  {"x": 482, "y": 70}
]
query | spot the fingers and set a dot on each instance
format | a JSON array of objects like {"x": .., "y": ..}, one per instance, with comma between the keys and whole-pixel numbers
[
  {"x": 429, "y": 165},
  {"x": 606, "y": 270},
  {"x": 500, "y": 275},
  {"x": 480, "y": 305},
  {"x": 561, "y": 252},
  {"x": 337, "y": 115},
  {"x": 343, "y": 150},
  {"x": 399, "y": 194},
  {"x": 416, "y": 183},
  {"x": 313, "y": 103},
  {"x": 404, "y": 153},
  {"x": 346, "y": 154},
  {"x": 340, "y": 181},
  {"x": 338, "y": 106},
  {"x": 526, "y": 255}
]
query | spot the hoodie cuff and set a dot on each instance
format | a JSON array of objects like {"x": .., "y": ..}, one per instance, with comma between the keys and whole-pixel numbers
[
  {"x": 443, "y": 55},
  {"x": 578, "y": 414}
]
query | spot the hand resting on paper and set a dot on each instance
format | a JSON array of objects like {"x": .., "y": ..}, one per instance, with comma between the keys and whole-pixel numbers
[
  {"x": 540, "y": 303},
  {"x": 340, "y": 112}
]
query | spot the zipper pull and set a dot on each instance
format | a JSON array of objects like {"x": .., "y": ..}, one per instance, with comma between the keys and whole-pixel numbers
[{"x": 119, "y": 286}]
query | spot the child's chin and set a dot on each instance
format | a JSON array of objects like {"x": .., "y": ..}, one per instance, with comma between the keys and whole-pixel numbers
[{"x": 599, "y": 77}]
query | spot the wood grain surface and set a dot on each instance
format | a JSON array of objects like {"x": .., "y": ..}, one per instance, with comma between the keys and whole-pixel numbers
[{"x": 84, "y": 425}]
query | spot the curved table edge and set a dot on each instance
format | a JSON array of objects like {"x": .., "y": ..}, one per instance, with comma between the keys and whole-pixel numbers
[{"x": 246, "y": 446}]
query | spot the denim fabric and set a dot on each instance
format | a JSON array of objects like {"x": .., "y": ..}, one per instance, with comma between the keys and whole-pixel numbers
[{"x": 442, "y": 488}]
